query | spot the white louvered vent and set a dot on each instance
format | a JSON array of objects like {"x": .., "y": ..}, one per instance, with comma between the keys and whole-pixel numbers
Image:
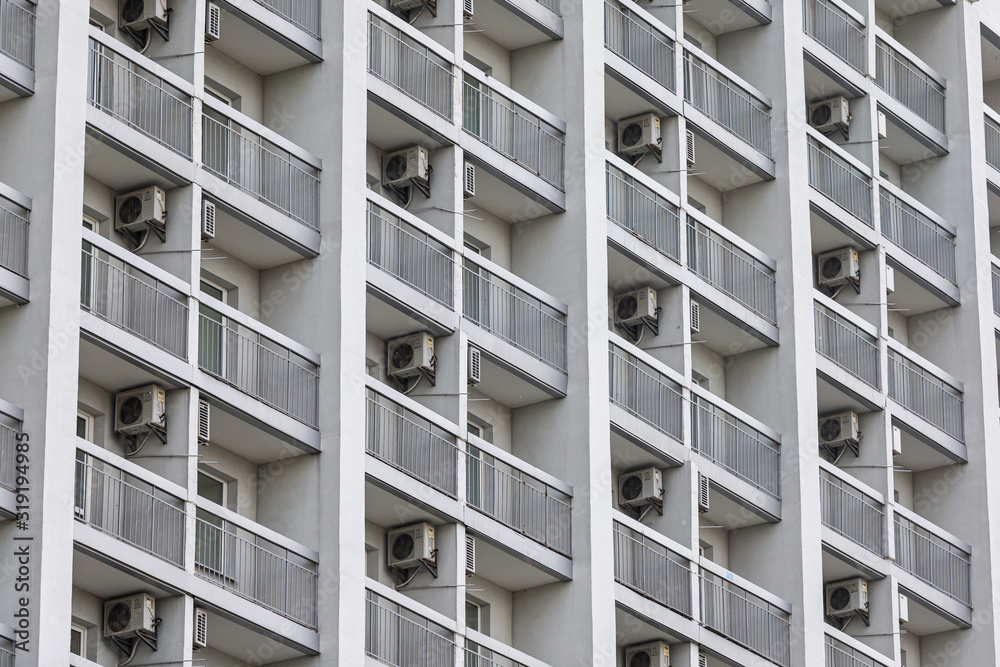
[
  {"x": 475, "y": 366},
  {"x": 207, "y": 221},
  {"x": 213, "y": 22},
  {"x": 695, "y": 317},
  {"x": 469, "y": 183},
  {"x": 702, "y": 661},
  {"x": 467, "y": 8},
  {"x": 470, "y": 554},
  {"x": 204, "y": 421},
  {"x": 703, "y": 493},
  {"x": 200, "y": 628},
  {"x": 690, "y": 149}
]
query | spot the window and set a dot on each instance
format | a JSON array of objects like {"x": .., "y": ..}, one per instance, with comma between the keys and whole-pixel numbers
[
  {"x": 84, "y": 426},
  {"x": 213, "y": 290},
  {"x": 699, "y": 380},
  {"x": 78, "y": 640},
  {"x": 371, "y": 368},
  {"x": 473, "y": 615},
  {"x": 210, "y": 541},
  {"x": 212, "y": 330},
  {"x": 477, "y": 617},
  {"x": 697, "y": 205},
  {"x": 91, "y": 223},
  {"x": 212, "y": 488}
]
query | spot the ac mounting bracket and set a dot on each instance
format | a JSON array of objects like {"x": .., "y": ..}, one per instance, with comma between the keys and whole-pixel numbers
[
  {"x": 129, "y": 647},
  {"x": 655, "y": 504}
]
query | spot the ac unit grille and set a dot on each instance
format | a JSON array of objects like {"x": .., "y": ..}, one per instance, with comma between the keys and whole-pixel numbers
[
  {"x": 120, "y": 616},
  {"x": 830, "y": 430},
  {"x": 840, "y": 598},
  {"x": 821, "y": 115},
  {"x": 395, "y": 168},
  {"x": 131, "y": 208},
  {"x": 627, "y": 308},
  {"x": 640, "y": 660},
  {"x": 632, "y": 135},
  {"x": 402, "y": 546},
  {"x": 130, "y": 411},
  {"x": 133, "y": 10},
  {"x": 631, "y": 487},
  {"x": 831, "y": 267},
  {"x": 402, "y": 356}
]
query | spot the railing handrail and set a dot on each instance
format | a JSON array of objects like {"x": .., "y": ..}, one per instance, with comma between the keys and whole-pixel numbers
[
  {"x": 249, "y": 525},
  {"x": 14, "y": 227},
  {"x": 679, "y": 599},
  {"x": 909, "y": 382},
  {"x": 513, "y": 461},
  {"x": 851, "y": 46},
  {"x": 258, "y": 327},
  {"x": 869, "y": 533},
  {"x": 931, "y": 105},
  {"x": 261, "y": 131},
  {"x": 663, "y": 381},
  {"x": 523, "y": 103},
  {"x": 8, "y": 456},
  {"x": 865, "y": 356},
  {"x": 841, "y": 654},
  {"x": 664, "y": 238},
  {"x": 24, "y": 18},
  {"x": 895, "y": 212},
  {"x": 411, "y": 634},
  {"x": 556, "y": 305},
  {"x": 914, "y": 554},
  {"x": 992, "y": 128},
  {"x": 300, "y": 16},
  {"x": 636, "y": 20},
  {"x": 757, "y": 639},
  {"x": 835, "y": 159}
]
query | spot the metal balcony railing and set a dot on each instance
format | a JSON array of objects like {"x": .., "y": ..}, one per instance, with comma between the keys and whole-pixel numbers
[
  {"x": 847, "y": 345},
  {"x": 995, "y": 275},
  {"x": 925, "y": 394},
  {"x": 909, "y": 84},
  {"x": 127, "y": 91},
  {"x": 480, "y": 656},
  {"x": 400, "y": 637},
  {"x": 245, "y": 563},
  {"x": 410, "y": 67},
  {"x": 933, "y": 559},
  {"x": 839, "y": 654},
  {"x": 835, "y": 29},
  {"x": 515, "y": 316},
  {"x": 303, "y": 13},
  {"x": 13, "y": 238},
  {"x": 518, "y": 500},
  {"x": 410, "y": 443},
  {"x": 405, "y": 252},
  {"x": 917, "y": 234},
  {"x": 848, "y": 187},
  {"x": 257, "y": 365},
  {"x": 6, "y": 658},
  {"x": 850, "y": 512},
  {"x": 643, "y": 213},
  {"x": 992, "y": 142},
  {"x": 745, "y": 618},
  {"x": 736, "y": 446},
  {"x": 551, "y": 4},
  {"x": 17, "y": 32},
  {"x": 8, "y": 457},
  {"x": 514, "y": 131},
  {"x": 652, "y": 570},
  {"x": 129, "y": 509},
  {"x": 727, "y": 103},
  {"x": 637, "y": 42},
  {"x": 725, "y": 265},
  {"x": 133, "y": 300},
  {"x": 248, "y": 161},
  {"x": 646, "y": 393}
]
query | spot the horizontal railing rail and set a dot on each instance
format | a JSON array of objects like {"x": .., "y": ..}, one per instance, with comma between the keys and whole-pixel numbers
[
  {"x": 245, "y": 563},
  {"x": 637, "y": 42},
  {"x": 13, "y": 238},
  {"x": 839, "y": 654},
  {"x": 258, "y": 365},
  {"x": 17, "y": 32},
  {"x": 933, "y": 559},
  {"x": 140, "y": 99},
  {"x": 735, "y": 272},
  {"x": 8, "y": 456},
  {"x": 248, "y": 161},
  {"x": 410, "y": 67},
  {"x": 736, "y": 446},
  {"x": 917, "y": 234},
  {"x": 416, "y": 258},
  {"x": 412, "y": 444},
  {"x": 129, "y": 509},
  {"x": 835, "y": 29},
  {"x": 643, "y": 213},
  {"x": 745, "y": 618},
  {"x": 848, "y": 187},
  {"x": 652, "y": 570},
  {"x": 514, "y": 131},
  {"x": 302, "y": 13},
  {"x": 518, "y": 500},
  {"x": 133, "y": 300},
  {"x": 847, "y": 345},
  {"x": 517, "y": 317},
  {"x": 909, "y": 84},
  {"x": 992, "y": 142},
  {"x": 727, "y": 102},
  {"x": 850, "y": 512},
  {"x": 927, "y": 395},
  {"x": 400, "y": 637},
  {"x": 646, "y": 393}
]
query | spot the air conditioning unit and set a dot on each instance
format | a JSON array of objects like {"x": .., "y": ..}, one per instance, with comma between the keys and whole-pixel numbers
[
  {"x": 897, "y": 441},
  {"x": 138, "y": 409},
  {"x": 410, "y": 545},
  {"x": 138, "y": 13},
  {"x": 406, "y": 5},
  {"x": 695, "y": 317},
  {"x": 838, "y": 430},
  {"x": 204, "y": 421},
  {"x": 641, "y": 487},
  {"x": 468, "y": 7},
  {"x": 469, "y": 182},
  {"x": 200, "y": 628},
  {"x": 470, "y": 554},
  {"x": 634, "y": 307},
  {"x": 136, "y": 210},
  {"x": 830, "y": 115},
  {"x": 403, "y": 168},
  {"x": 704, "y": 494},
  {"x": 207, "y": 220},
  {"x": 656, "y": 654},
  {"x": 638, "y": 135},
  {"x": 904, "y": 609},
  {"x": 839, "y": 267},
  {"x": 213, "y": 22},
  {"x": 125, "y": 617},
  {"x": 890, "y": 280},
  {"x": 689, "y": 146},
  {"x": 475, "y": 365},
  {"x": 845, "y": 598},
  {"x": 410, "y": 355}
]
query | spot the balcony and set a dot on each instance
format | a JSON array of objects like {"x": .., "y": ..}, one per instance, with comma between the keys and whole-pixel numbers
[
  {"x": 410, "y": 443},
  {"x": 230, "y": 553},
  {"x": 14, "y": 211},
  {"x": 744, "y": 617},
  {"x": 17, "y": 42},
  {"x": 851, "y": 512},
  {"x": 646, "y": 393},
  {"x": 992, "y": 123},
  {"x": 926, "y": 394},
  {"x": 514, "y": 127},
  {"x": 841, "y": 654},
  {"x": 637, "y": 42},
  {"x": 847, "y": 345},
  {"x": 910, "y": 82},
  {"x": 836, "y": 177},
  {"x": 995, "y": 277},
  {"x": 652, "y": 570},
  {"x": 258, "y": 361},
  {"x": 304, "y": 14},
  {"x": 941, "y": 562},
  {"x": 844, "y": 36},
  {"x": 262, "y": 164},
  {"x": 728, "y": 102},
  {"x": 643, "y": 213},
  {"x": 514, "y": 311},
  {"x": 917, "y": 234},
  {"x": 398, "y": 636}
]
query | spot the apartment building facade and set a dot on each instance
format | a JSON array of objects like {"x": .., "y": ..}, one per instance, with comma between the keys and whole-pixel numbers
[{"x": 499, "y": 333}]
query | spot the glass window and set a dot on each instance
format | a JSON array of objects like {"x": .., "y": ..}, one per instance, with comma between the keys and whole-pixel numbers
[
  {"x": 85, "y": 426},
  {"x": 78, "y": 640},
  {"x": 212, "y": 488}
]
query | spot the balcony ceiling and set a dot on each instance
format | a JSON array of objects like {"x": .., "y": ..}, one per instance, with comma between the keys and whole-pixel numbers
[
  {"x": 991, "y": 60},
  {"x": 919, "y": 456},
  {"x": 831, "y": 400},
  {"x": 238, "y": 641},
  {"x": 905, "y": 145},
  {"x": 633, "y": 630},
  {"x": 118, "y": 171},
  {"x": 924, "y": 620},
  {"x": 506, "y": 388},
  {"x": 502, "y": 200},
  {"x": 106, "y": 581},
  {"x": 391, "y": 132},
  {"x": 247, "y": 244},
  {"x": 255, "y": 49},
  {"x": 720, "y": 16},
  {"x": 622, "y": 101},
  {"x": 720, "y": 333},
  {"x": 895, "y": 9},
  {"x": 722, "y": 170},
  {"x": 504, "y": 27},
  {"x": 507, "y": 569},
  {"x": 236, "y": 434},
  {"x": 820, "y": 86},
  {"x": 114, "y": 372}
]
